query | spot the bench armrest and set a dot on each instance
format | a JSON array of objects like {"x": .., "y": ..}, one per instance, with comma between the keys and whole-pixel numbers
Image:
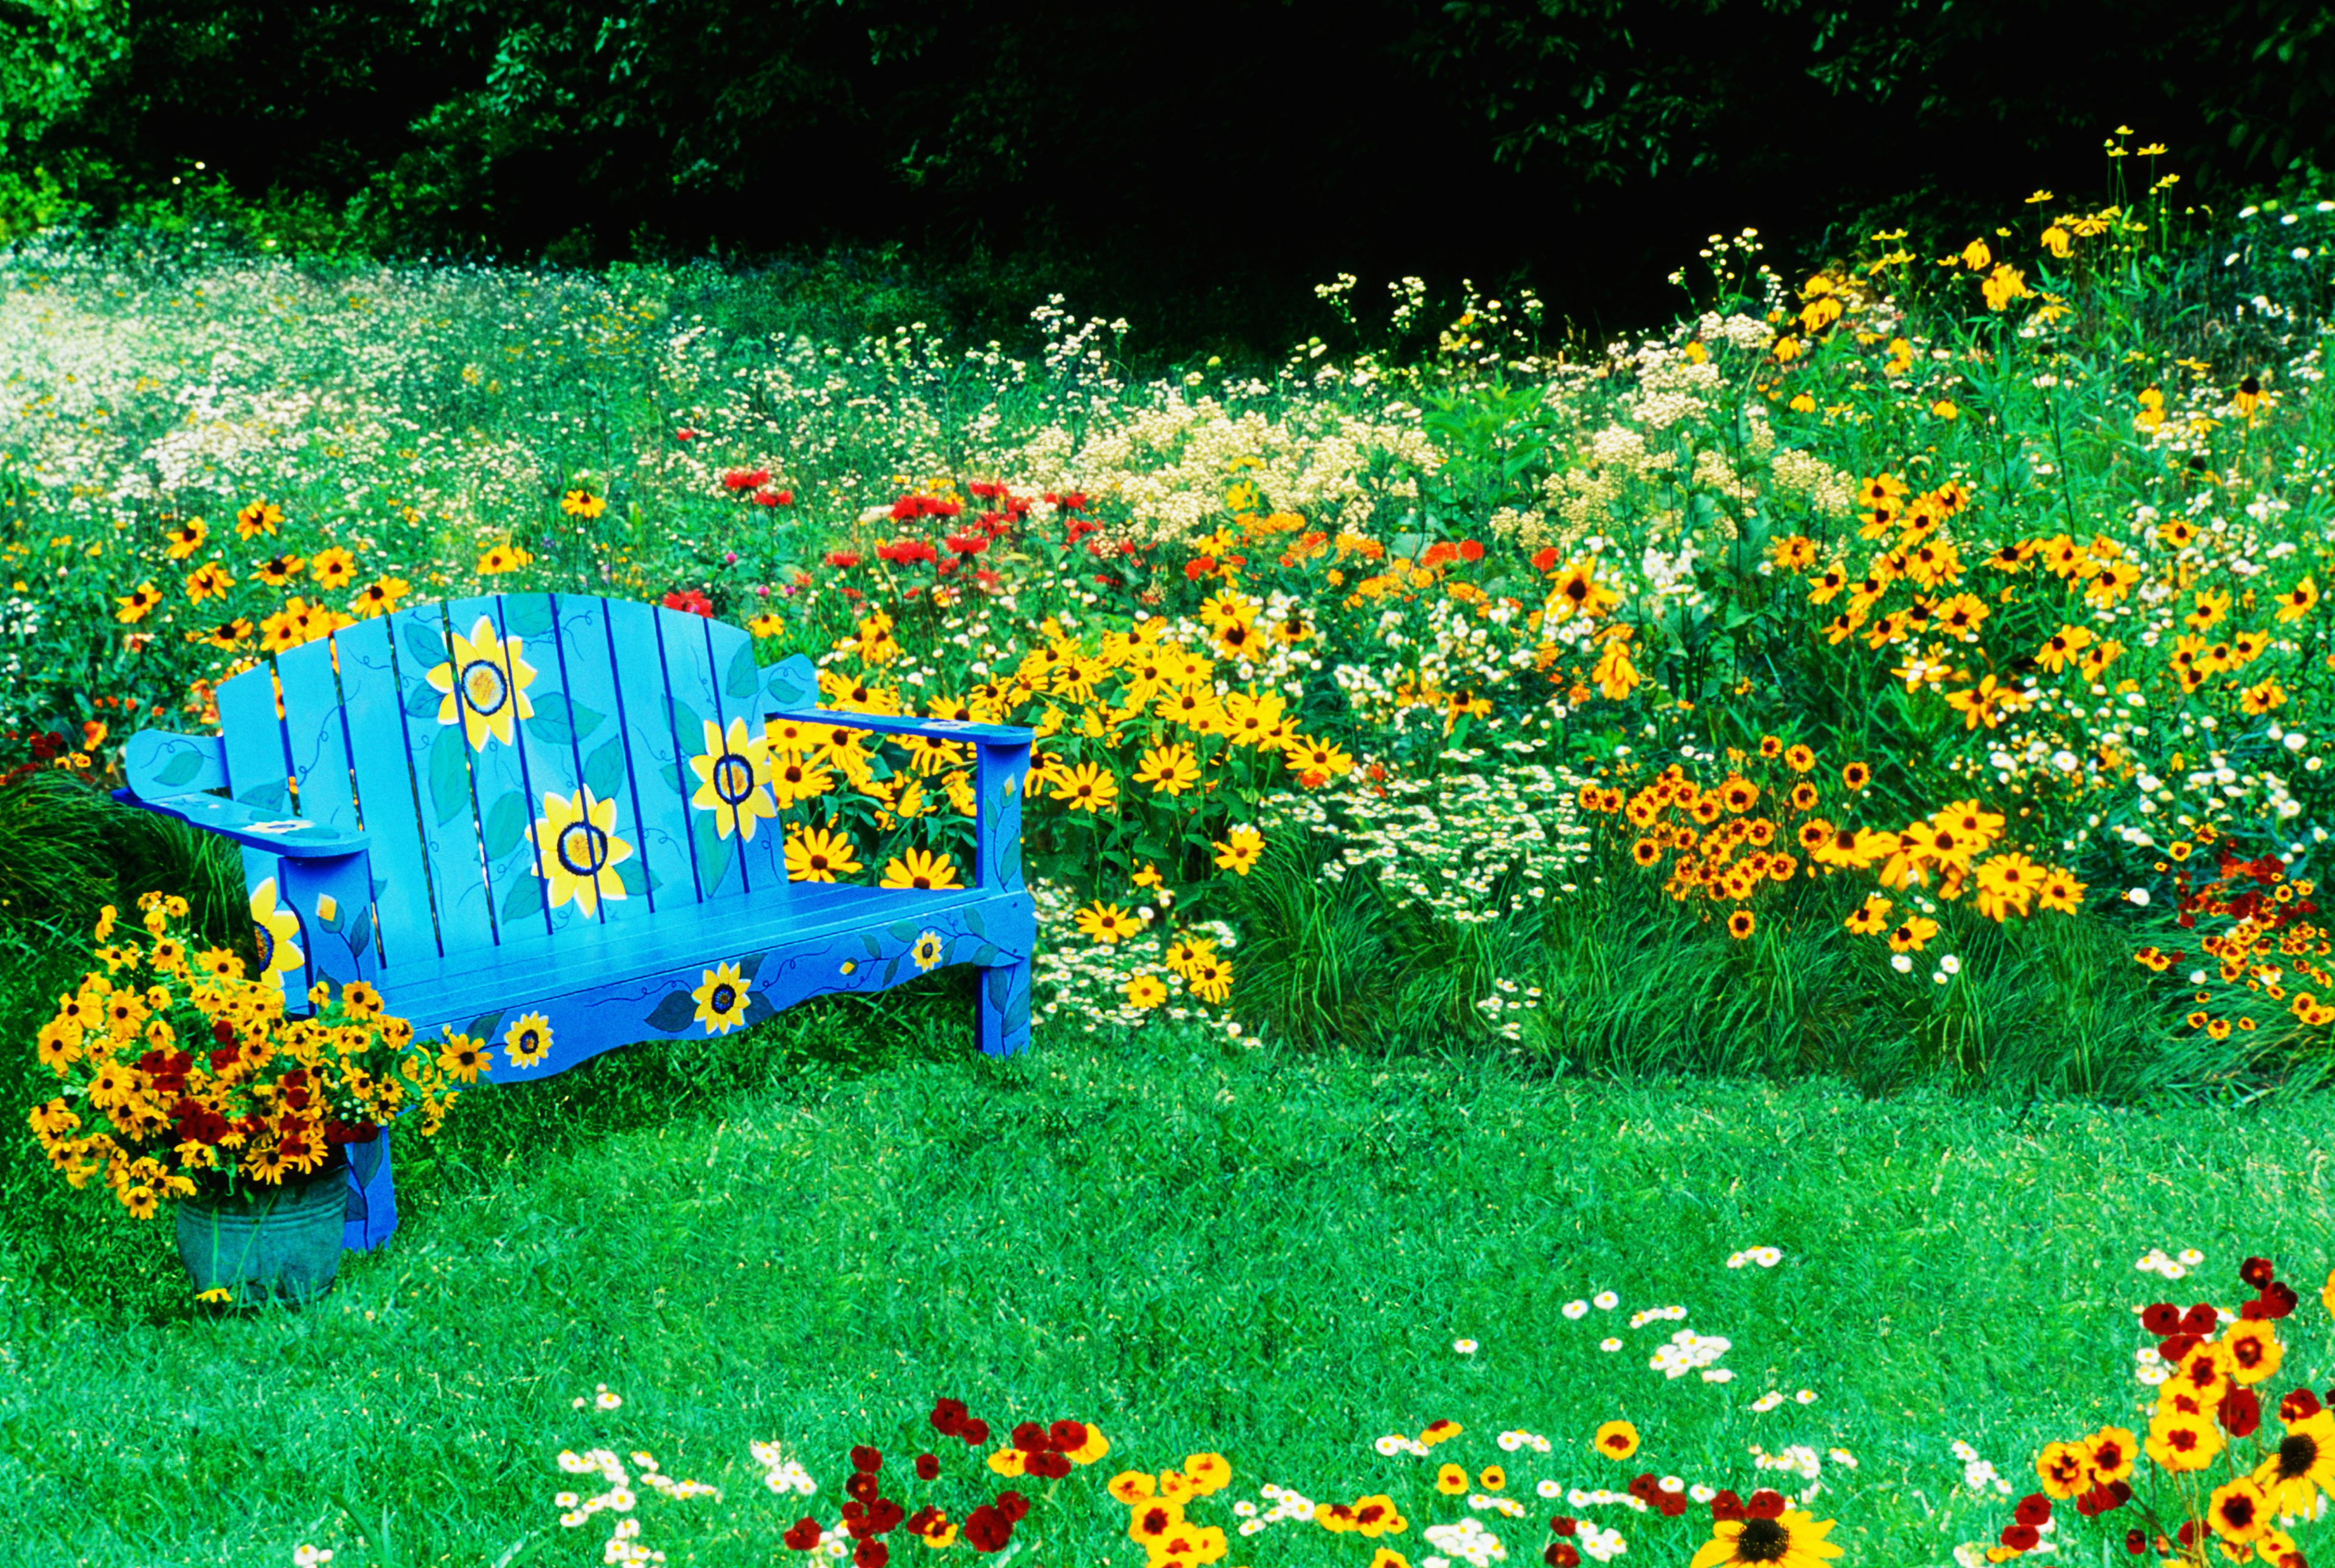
[
  {"x": 886, "y": 724},
  {"x": 293, "y": 837}
]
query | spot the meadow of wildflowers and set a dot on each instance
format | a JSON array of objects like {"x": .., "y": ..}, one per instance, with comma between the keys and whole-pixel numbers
[{"x": 1908, "y": 668}]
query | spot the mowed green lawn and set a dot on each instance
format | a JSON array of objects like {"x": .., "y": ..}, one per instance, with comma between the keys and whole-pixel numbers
[{"x": 806, "y": 1232}]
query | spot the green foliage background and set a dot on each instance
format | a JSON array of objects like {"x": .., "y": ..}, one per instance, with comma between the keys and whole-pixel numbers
[{"x": 1186, "y": 165}]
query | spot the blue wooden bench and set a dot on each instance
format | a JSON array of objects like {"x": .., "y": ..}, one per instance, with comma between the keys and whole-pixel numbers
[{"x": 537, "y": 820}]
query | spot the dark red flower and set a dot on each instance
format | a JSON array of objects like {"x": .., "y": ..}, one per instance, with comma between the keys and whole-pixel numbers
[
  {"x": 223, "y": 1032},
  {"x": 2241, "y": 1412},
  {"x": 862, "y": 1486},
  {"x": 2178, "y": 1346},
  {"x": 928, "y": 1467},
  {"x": 1030, "y": 1438},
  {"x": 883, "y": 1515},
  {"x": 1726, "y": 1506},
  {"x": 2161, "y": 1318},
  {"x": 2278, "y": 1299},
  {"x": 2201, "y": 1319},
  {"x": 1566, "y": 1525},
  {"x": 2033, "y": 1509},
  {"x": 949, "y": 1416},
  {"x": 1068, "y": 1435},
  {"x": 2135, "y": 1542},
  {"x": 2299, "y": 1404},
  {"x": 1671, "y": 1503},
  {"x": 2257, "y": 1272},
  {"x": 866, "y": 1458},
  {"x": 1560, "y": 1555},
  {"x": 2019, "y": 1537},
  {"x": 802, "y": 1535},
  {"x": 1013, "y": 1505},
  {"x": 987, "y": 1529},
  {"x": 2121, "y": 1491},
  {"x": 1766, "y": 1504},
  {"x": 871, "y": 1554},
  {"x": 975, "y": 1431},
  {"x": 922, "y": 1521},
  {"x": 1049, "y": 1465}
]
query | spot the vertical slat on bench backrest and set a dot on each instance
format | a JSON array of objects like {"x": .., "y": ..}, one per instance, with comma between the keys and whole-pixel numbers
[
  {"x": 439, "y": 755},
  {"x": 658, "y": 767},
  {"x": 317, "y": 748},
  {"x": 602, "y": 755},
  {"x": 497, "y": 684},
  {"x": 548, "y": 738},
  {"x": 738, "y": 687},
  {"x": 257, "y": 770},
  {"x": 689, "y": 674},
  {"x": 372, "y": 707}
]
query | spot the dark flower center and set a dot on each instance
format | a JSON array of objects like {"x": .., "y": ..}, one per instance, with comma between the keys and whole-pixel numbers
[
  {"x": 583, "y": 848},
  {"x": 1762, "y": 1540},
  {"x": 482, "y": 686},
  {"x": 733, "y": 779},
  {"x": 724, "y": 998},
  {"x": 2296, "y": 1456}
]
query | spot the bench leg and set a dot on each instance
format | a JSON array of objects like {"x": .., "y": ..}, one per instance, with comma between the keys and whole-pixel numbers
[
  {"x": 1005, "y": 1008},
  {"x": 372, "y": 1196}
]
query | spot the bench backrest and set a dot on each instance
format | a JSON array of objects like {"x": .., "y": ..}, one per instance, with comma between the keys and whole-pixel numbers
[{"x": 441, "y": 730}]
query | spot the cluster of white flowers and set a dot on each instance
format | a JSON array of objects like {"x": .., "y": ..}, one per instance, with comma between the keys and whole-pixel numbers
[
  {"x": 1687, "y": 1351},
  {"x": 1765, "y": 1257},
  {"x": 1468, "y": 1540},
  {"x": 782, "y": 1473},
  {"x": 1774, "y": 1397},
  {"x": 2156, "y": 1261}
]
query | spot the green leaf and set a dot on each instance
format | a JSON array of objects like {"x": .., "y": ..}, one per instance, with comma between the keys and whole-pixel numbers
[
  {"x": 524, "y": 901},
  {"x": 483, "y": 1026},
  {"x": 426, "y": 644},
  {"x": 507, "y": 822},
  {"x": 561, "y": 720},
  {"x": 603, "y": 771},
  {"x": 973, "y": 922},
  {"x": 890, "y": 970},
  {"x": 686, "y": 724},
  {"x": 449, "y": 778},
  {"x": 527, "y": 615},
  {"x": 184, "y": 764},
  {"x": 745, "y": 677},
  {"x": 874, "y": 948},
  {"x": 674, "y": 1014},
  {"x": 904, "y": 930},
  {"x": 421, "y": 701}
]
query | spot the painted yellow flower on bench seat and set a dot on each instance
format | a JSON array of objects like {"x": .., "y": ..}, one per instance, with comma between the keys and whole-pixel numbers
[
  {"x": 576, "y": 850},
  {"x": 733, "y": 779},
  {"x": 485, "y": 684},
  {"x": 277, "y": 930},
  {"x": 721, "y": 999}
]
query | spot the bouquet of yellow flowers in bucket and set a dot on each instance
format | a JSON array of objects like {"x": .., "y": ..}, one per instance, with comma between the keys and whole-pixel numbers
[
  {"x": 2224, "y": 1490},
  {"x": 184, "y": 1079}
]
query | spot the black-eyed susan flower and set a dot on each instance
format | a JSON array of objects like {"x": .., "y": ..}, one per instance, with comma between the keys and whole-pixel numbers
[
  {"x": 1791, "y": 1539},
  {"x": 1169, "y": 770},
  {"x": 1108, "y": 923},
  {"x": 136, "y": 605},
  {"x": 819, "y": 855},
  {"x": 380, "y": 598},
  {"x": 186, "y": 538},
  {"x": 1239, "y": 850},
  {"x": 1145, "y": 991},
  {"x": 921, "y": 870},
  {"x": 2303, "y": 1468},
  {"x": 583, "y": 503},
  {"x": 259, "y": 517},
  {"x": 334, "y": 569},
  {"x": 2296, "y": 601},
  {"x": 279, "y": 570},
  {"x": 1086, "y": 788},
  {"x": 1211, "y": 980}
]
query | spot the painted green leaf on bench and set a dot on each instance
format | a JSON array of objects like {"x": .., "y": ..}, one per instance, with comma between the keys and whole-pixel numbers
[
  {"x": 527, "y": 615},
  {"x": 450, "y": 780},
  {"x": 559, "y": 720},
  {"x": 891, "y": 970},
  {"x": 674, "y": 1014},
  {"x": 874, "y": 948},
  {"x": 524, "y": 901},
  {"x": 637, "y": 879},
  {"x": 973, "y": 923},
  {"x": 421, "y": 701},
  {"x": 507, "y": 824},
  {"x": 685, "y": 721},
  {"x": 183, "y": 765},
  {"x": 603, "y": 771},
  {"x": 749, "y": 966},
  {"x": 905, "y": 930},
  {"x": 425, "y": 646},
  {"x": 714, "y": 853},
  {"x": 483, "y": 1028},
  {"x": 744, "y": 676}
]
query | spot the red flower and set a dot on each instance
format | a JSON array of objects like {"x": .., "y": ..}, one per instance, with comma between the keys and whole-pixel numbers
[
  {"x": 1069, "y": 501},
  {"x": 1031, "y": 1437},
  {"x": 774, "y": 498},
  {"x": 1544, "y": 559},
  {"x": 2241, "y": 1412},
  {"x": 2201, "y": 1319},
  {"x": 2019, "y": 1537},
  {"x": 1566, "y": 1525},
  {"x": 2278, "y": 1299},
  {"x": 1560, "y": 1555},
  {"x": 906, "y": 552},
  {"x": 843, "y": 558},
  {"x": 1726, "y": 1506},
  {"x": 2135, "y": 1542},
  {"x": 987, "y": 1529},
  {"x": 988, "y": 579},
  {"x": 2178, "y": 1346},
  {"x": 871, "y": 1554},
  {"x": 929, "y": 1468},
  {"x": 1469, "y": 550},
  {"x": 2300, "y": 1405},
  {"x": 922, "y": 1521},
  {"x": 1049, "y": 1465},
  {"x": 684, "y": 435},
  {"x": 883, "y": 1515},
  {"x": 862, "y": 1486},
  {"x": 1200, "y": 566},
  {"x": 975, "y": 1432},
  {"x": 745, "y": 478},
  {"x": 967, "y": 544},
  {"x": 690, "y": 600},
  {"x": 2033, "y": 1509},
  {"x": 803, "y": 1535},
  {"x": 2161, "y": 1319},
  {"x": 1079, "y": 529},
  {"x": 1671, "y": 1503},
  {"x": 866, "y": 1458},
  {"x": 1013, "y": 1505},
  {"x": 1068, "y": 1435},
  {"x": 949, "y": 1416},
  {"x": 1765, "y": 1504}
]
